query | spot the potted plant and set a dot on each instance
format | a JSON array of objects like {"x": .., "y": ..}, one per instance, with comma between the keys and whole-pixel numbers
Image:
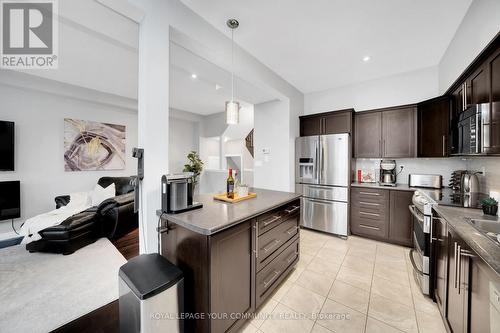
[
  {"x": 490, "y": 206},
  {"x": 195, "y": 165}
]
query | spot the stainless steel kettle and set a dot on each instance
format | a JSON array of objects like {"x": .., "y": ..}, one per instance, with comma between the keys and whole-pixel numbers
[{"x": 470, "y": 182}]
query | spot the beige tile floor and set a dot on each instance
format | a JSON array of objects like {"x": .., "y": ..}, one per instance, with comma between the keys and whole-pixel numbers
[{"x": 344, "y": 286}]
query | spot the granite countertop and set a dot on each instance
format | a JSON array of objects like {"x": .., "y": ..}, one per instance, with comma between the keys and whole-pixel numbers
[
  {"x": 486, "y": 248},
  {"x": 398, "y": 187},
  {"x": 217, "y": 215}
]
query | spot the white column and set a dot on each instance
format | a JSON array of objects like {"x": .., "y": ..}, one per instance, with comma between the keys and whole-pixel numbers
[{"x": 153, "y": 116}]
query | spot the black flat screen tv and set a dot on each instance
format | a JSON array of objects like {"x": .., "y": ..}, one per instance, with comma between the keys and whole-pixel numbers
[
  {"x": 6, "y": 146},
  {"x": 10, "y": 200}
]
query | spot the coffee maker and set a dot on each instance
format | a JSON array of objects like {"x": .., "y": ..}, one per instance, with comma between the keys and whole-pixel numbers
[
  {"x": 177, "y": 193},
  {"x": 388, "y": 173}
]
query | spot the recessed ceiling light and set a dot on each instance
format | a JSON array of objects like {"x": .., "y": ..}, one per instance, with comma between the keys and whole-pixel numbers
[
  {"x": 194, "y": 76},
  {"x": 217, "y": 87},
  {"x": 366, "y": 58}
]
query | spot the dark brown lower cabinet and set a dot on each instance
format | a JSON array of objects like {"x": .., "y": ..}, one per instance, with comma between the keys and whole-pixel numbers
[
  {"x": 382, "y": 214},
  {"x": 230, "y": 273},
  {"x": 484, "y": 298},
  {"x": 400, "y": 226},
  {"x": 457, "y": 308}
]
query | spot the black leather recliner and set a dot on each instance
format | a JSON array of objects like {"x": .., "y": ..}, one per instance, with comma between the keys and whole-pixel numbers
[{"x": 113, "y": 218}]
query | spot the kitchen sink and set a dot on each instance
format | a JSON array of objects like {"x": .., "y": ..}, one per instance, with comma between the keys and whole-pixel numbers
[{"x": 490, "y": 228}]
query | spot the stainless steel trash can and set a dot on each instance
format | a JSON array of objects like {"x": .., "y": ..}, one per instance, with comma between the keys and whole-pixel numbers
[{"x": 151, "y": 295}]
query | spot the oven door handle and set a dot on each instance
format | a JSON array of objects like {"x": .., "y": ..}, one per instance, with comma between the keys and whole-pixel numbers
[
  {"x": 414, "y": 264},
  {"x": 412, "y": 209}
]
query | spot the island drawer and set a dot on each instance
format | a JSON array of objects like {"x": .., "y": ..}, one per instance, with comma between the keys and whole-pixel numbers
[
  {"x": 275, "y": 272},
  {"x": 272, "y": 219},
  {"x": 273, "y": 240}
]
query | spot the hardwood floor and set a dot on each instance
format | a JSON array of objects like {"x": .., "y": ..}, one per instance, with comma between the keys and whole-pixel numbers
[{"x": 128, "y": 244}]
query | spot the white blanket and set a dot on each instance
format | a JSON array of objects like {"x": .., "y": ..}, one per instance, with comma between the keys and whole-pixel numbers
[{"x": 78, "y": 203}]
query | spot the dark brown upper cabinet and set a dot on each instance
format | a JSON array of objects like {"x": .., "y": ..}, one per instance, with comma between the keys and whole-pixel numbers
[
  {"x": 398, "y": 133},
  {"x": 333, "y": 122},
  {"x": 385, "y": 134},
  {"x": 493, "y": 123},
  {"x": 368, "y": 134},
  {"x": 433, "y": 127}
]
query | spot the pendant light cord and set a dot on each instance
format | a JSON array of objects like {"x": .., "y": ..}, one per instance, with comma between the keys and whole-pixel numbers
[{"x": 232, "y": 65}]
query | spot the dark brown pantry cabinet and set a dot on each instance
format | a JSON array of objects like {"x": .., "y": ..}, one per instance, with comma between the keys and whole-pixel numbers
[
  {"x": 382, "y": 214},
  {"x": 385, "y": 133},
  {"x": 433, "y": 126},
  {"x": 333, "y": 122}
]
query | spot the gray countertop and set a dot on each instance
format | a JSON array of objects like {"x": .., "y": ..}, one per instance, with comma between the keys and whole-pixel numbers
[
  {"x": 398, "y": 187},
  {"x": 217, "y": 215},
  {"x": 486, "y": 248}
]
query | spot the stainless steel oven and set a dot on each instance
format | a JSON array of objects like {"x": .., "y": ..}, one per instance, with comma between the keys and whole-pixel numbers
[{"x": 420, "y": 255}]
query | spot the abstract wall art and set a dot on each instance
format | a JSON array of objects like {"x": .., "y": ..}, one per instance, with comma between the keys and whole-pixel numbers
[{"x": 90, "y": 145}]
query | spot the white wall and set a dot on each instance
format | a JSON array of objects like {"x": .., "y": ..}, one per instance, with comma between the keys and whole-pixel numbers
[
  {"x": 183, "y": 138},
  {"x": 405, "y": 88},
  {"x": 479, "y": 26},
  {"x": 39, "y": 120},
  {"x": 272, "y": 171}
]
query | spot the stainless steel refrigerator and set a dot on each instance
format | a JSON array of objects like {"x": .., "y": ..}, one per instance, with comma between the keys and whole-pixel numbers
[{"x": 322, "y": 176}]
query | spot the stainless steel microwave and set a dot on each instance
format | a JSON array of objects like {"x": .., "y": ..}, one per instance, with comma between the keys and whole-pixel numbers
[{"x": 471, "y": 134}]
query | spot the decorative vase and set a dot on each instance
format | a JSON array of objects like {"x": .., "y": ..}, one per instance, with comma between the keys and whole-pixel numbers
[{"x": 490, "y": 210}]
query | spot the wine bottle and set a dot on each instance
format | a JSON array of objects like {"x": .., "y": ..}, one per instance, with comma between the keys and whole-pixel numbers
[{"x": 230, "y": 185}]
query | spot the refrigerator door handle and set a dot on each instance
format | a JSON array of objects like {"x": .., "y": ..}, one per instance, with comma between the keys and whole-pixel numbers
[{"x": 316, "y": 164}]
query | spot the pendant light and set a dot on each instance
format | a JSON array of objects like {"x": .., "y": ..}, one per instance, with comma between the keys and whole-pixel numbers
[{"x": 232, "y": 107}]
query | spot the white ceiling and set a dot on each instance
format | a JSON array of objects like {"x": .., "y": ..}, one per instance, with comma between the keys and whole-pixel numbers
[
  {"x": 199, "y": 95},
  {"x": 317, "y": 45}
]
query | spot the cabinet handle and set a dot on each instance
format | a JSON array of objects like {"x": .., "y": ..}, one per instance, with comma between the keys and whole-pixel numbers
[
  {"x": 370, "y": 193},
  {"x": 292, "y": 210},
  {"x": 369, "y": 203},
  {"x": 497, "y": 297},
  {"x": 371, "y": 214},
  {"x": 256, "y": 251},
  {"x": 292, "y": 230},
  {"x": 384, "y": 149},
  {"x": 456, "y": 265},
  {"x": 368, "y": 227},
  {"x": 268, "y": 222},
  {"x": 268, "y": 282},
  {"x": 271, "y": 245},
  {"x": 292, "y": 257},
  {"x": 444, "y": 146},
  {"x": 459, "y": 250},
  {"x": 465, "y": 96}
]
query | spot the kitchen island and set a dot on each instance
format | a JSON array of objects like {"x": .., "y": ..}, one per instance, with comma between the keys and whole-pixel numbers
[{"x": 233, "y": 256}]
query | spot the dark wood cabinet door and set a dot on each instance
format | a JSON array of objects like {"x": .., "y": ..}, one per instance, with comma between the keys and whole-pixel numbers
[
  {"x": 398, "y": 133},
  {"x": 400, "y": 226},
  {"x": 311, "y": 125},
  {"x": 231, "y": 274},
  {"x": 484, "y": 298},
  {"x": 493, "y": 70},
  {"x": 457, "y": 301},
  {"x": 368, "y": 134},
  {"x": 433, "y": 127},
  {"x": 477, "y": 87},
  {"x": 440, "y": 241},
  {"x": 335, "y": 123}
]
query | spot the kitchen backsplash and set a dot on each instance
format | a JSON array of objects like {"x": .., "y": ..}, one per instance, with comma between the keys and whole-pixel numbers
[
  {"x": 438, "y": 166},
  {"x": 491, "y": 178},
  {"x": 443, "y": 166}
]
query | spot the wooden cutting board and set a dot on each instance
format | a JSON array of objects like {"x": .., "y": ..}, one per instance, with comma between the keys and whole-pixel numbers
[{"x": 223, "y": 197}]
